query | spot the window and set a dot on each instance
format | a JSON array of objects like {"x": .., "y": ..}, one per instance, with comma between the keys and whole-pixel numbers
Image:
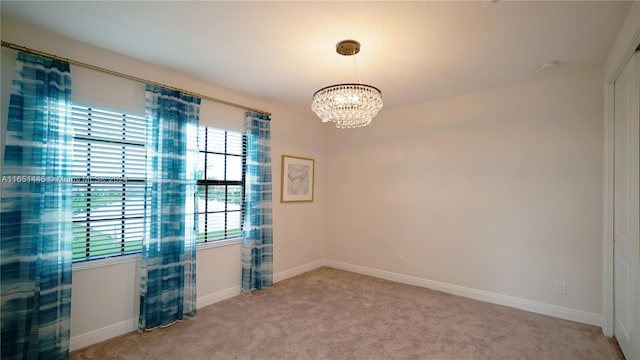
[
  {"x": 220, "y": 184},
  {"x": 108, "y": 172},
  {"x": 109, "y": 176}
]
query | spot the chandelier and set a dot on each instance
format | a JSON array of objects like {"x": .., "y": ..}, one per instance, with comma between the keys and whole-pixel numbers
[{"x": 348, "y": 105}]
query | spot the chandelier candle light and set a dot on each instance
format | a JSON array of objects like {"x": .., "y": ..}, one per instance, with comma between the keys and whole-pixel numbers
[{"x": 348, "y": 105}]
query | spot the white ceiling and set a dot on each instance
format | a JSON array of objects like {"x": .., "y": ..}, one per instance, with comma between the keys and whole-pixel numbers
[{"x": 285, "y": 51}]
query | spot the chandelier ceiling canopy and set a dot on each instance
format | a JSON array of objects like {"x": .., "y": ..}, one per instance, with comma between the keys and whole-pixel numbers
[{"x": 348, "y": 105}]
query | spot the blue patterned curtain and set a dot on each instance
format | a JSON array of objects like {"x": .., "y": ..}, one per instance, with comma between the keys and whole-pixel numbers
[
  {"x": 257, "y": 231},
  {"x": 36, "y": 212},
  {"x": 168, "y": 264}
]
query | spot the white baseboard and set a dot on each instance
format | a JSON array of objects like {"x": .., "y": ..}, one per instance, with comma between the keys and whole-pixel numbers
[
  {"x": 486, "y": 296},
  {"x": 105, "y": 333},
  {"x": 110, "y": 331},
  {"x": 298, "y": 270},
  {"x": 217, "y": 296}
]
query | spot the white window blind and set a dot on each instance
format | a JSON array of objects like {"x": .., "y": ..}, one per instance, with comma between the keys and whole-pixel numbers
[{"x": 109, "y": 170}]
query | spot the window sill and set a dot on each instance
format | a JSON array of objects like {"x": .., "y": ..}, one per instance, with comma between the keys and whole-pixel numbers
[
  {"x": 92, "y": 264},
  {"x": 219, "y": 243}
]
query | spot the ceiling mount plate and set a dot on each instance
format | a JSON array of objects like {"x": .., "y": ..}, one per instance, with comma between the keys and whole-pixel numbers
[{"x": 348, "y": 47}]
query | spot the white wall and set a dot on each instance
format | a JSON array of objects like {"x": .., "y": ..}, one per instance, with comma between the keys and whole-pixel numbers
[
  {"x": 105, "y": 299},
  {"x": 499, "y": 191}
]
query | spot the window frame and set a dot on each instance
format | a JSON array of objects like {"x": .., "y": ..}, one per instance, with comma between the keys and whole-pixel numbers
[
  {"x": 89, "y": 179},
  {"x": 204, "y": 149},
  {"x": 122, "y": 256}
]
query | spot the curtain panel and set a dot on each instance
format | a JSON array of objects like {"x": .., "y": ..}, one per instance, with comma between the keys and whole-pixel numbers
[
  {"x": 36, "y": 212},
  {"x": 257, "y": 230},
  {"x": 168, "y": 260}
]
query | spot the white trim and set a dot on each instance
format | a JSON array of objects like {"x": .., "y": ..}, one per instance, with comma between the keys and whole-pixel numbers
[
  {"x": 623, "y": 48},
  {"x": 110, "y": 331},
  {"x": 217, "y": 296},
  {"x": 486, "y": 296},
  {"x": 218, "y": 243},
  {"x": 102, "y": 334},
  {"x": 298, "y": 270},
  {"x": 114, "y": 260},
  {"x": 607, "y": 214},
  {"x": 624, "y": 45},
  {"x": 119, "y": 259}
]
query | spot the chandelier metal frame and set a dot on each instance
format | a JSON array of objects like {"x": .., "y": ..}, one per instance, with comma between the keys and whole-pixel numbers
[{"x": 348, "y": 105}]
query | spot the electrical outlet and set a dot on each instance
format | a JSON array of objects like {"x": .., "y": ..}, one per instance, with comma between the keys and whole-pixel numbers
[
  {"x": 402, "y": 260},
  {"x": 561, "y": 287}
]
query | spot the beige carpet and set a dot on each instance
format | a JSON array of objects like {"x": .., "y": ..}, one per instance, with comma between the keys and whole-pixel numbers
[{"x": 334, "y": 314}]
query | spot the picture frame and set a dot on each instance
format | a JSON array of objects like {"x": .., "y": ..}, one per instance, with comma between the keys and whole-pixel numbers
[{"x": 297, "y": 179}]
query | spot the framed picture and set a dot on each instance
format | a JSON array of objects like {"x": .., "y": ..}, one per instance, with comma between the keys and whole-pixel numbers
[{"x": 297, "y": 179}]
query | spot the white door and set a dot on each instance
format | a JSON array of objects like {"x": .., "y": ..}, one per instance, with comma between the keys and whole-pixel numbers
[{"x": 626, "y": 213}]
